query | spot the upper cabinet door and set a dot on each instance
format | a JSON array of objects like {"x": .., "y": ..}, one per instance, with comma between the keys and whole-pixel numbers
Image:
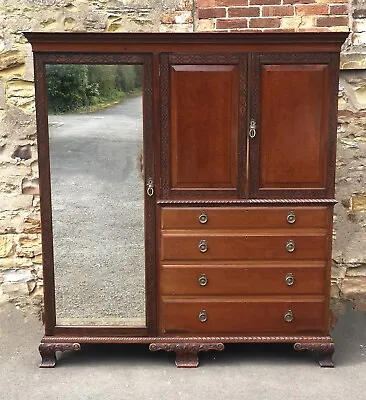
[
  {"x": 295, "y": 120},
  {"x": 203, "y": 110}
]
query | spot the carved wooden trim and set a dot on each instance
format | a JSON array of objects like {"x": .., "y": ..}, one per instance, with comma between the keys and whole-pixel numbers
[
  {"x": 324, "y": 350},
  {"x": 48, "y": 352},
  {"x": 186, "y": 353},
  {"x": 251, "y": 201},
  {"x": 187, "y": 339}
]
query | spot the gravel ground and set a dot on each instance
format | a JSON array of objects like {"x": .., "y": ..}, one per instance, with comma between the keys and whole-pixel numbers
[{"x": 97, "y": 203}]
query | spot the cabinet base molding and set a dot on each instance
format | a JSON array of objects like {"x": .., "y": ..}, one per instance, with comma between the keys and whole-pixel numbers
[
  {"x": 48, "y": 352},
  {"x": 324, "y": 350},
  {"x": 186, "y": 353},
  {"x": 186, "y": 348}
]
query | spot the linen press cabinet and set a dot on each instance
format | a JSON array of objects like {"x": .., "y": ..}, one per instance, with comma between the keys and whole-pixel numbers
[{"x": 239, "y": 162}]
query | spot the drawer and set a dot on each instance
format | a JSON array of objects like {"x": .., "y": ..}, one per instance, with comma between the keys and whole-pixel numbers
[
  {"x": 205, "y": 280},
  {"x": 269, "y": 316},
  {"x": 250, "y": 217},
  {"x": 230, "y": 247}
]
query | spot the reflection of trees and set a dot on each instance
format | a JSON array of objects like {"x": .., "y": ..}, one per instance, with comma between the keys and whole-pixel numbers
[{"x": 71, "y": 87}]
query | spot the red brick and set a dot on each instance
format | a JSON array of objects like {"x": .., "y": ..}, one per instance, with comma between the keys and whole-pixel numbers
[
  {"x": 332, "y": 21},
  {"x": 228, "y": 3},
  {"x": 247, "y": 30},
  {"x": 298, "y": 1},
  {"x": 211, "y": 12},
  {"x": 312, "y": 9},
  {"x": 264, "y": 23},
  {"x": 206, "y": 3},
  {"x": 244, "y": 12},
  {"x": 274, "y": 11},
  {"x": 278, "y": 30},
  {"x": 264, "y": 2},
  {"x": 338, "y": 9},
  {"x": 232, "y": 23}
]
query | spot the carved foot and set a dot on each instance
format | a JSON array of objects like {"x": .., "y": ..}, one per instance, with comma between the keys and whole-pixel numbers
[
  {"x": 186, "y": 353},
  {"x": 324, "y": 350},
  {"x": 48, "y": 352}
]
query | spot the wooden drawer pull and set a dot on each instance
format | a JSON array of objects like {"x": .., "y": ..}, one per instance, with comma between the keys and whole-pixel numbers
[
  {"x": 202, "y": 316},
  {"x": 290, "y": 246},
  {"x": 203, "y": 246},
  {"x": 291, "y": 217},
  {"x": 203, "y": 218},
  {"x": 290, "y": 279},
  {"x": 202, "y": 280},
  {"x": 289, "y": 316}
]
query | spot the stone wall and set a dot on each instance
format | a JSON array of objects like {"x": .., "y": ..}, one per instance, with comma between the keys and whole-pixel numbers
[{"x": 20, "y": 240}]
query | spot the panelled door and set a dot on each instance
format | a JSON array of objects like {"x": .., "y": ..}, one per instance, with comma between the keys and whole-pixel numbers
[
  {"x": 203, "y": 117},
  {"x": 291, "y": 145}
]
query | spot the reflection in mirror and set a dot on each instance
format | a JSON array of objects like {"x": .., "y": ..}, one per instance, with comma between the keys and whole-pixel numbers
[{"x": 95, "y": 128}]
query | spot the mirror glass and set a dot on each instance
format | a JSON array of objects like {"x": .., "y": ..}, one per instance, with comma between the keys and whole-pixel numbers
[{"x": 97, "y": 193}]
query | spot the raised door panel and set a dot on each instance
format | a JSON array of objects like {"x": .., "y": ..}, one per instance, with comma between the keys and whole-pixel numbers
[
  {"x": 201, "y": 118},
  {"x": 295, "y": 126}
]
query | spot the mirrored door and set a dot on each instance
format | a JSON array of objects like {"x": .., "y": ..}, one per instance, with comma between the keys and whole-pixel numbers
[{"x": 96, "y": 116}]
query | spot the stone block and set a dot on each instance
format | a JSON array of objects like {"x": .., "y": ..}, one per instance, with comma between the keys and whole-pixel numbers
[
  {"x": 7, "y": 246},
  {"x": 30, "y": 241},
  {"x": 30, "y": 186},
  {"x": 20, "y": 94},
  {"x": 358, "y": 202},
  {"x": 10, "y": 59},
  {"x": 357, "y": 271},
  {"x": 11, "y": 202},
  {"x": 353, "y": 288}
]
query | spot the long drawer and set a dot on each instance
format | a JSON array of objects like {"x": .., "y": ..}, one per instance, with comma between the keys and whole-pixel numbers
[
  {"x": 206, "y": 280},
  {"x": 231, "y": 247},
  {"x": 241, "y": 218},
  {"x": 270, "y": 316}
]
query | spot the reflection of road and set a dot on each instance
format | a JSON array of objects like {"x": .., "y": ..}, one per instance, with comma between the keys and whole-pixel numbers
[{"x": 97, "y": 202}]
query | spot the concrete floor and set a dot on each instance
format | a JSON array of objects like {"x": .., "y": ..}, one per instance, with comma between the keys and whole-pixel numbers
[{"x": 107, "y": 372}]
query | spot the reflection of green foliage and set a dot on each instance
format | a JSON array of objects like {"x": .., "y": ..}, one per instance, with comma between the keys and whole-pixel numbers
[{"x": 72, "y": 86}]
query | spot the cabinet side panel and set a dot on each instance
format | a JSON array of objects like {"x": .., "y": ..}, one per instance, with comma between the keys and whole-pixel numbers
[
  {"x": 204, "y": 126},
  {"x": 294, "y": 123}
]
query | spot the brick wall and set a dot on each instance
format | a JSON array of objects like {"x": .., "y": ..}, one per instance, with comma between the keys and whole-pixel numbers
[{"x": 272, "y": 15}]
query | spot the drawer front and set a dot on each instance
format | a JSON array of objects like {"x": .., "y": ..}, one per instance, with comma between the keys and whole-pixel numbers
[
  {"x": 204, "y": 280},
  {"x": 245, "y": 316},
  {"x": 209, "y": 247},
  {"x": 241, "y": 218}
]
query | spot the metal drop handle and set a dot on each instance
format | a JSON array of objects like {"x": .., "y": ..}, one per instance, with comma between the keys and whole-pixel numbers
[
  {"x": 202, "y": 316},
  {"x": 202, "y": 280},
  {"x": 252, "y": 129},
  {"x": 290, "y": 279},
  {"x": 291, "y": 217},
  {"x": 290, "y": 246},
  {"x": 150, "y": 187},
  {"x": 203, "y": 218},
  {"x": 203, "y": 246},
  {"x": 289, "y": 316}
]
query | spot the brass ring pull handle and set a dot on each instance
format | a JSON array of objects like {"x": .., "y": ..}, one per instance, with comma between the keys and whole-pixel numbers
[
  {"x": 203, "y": 246},
  {"x": 289, "y": 316},
  {"x": 150, "y": 187},
  {"x": 203, "y": 218},
  {"x": 252, "y": 129},
  {"x": 290, "y": 246},
  {"x": 202, "y": 316},
  {"x": 290, "y": 279},
  {"x": 291, "y": 217},
  {"x": 202, "y": 280}
]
